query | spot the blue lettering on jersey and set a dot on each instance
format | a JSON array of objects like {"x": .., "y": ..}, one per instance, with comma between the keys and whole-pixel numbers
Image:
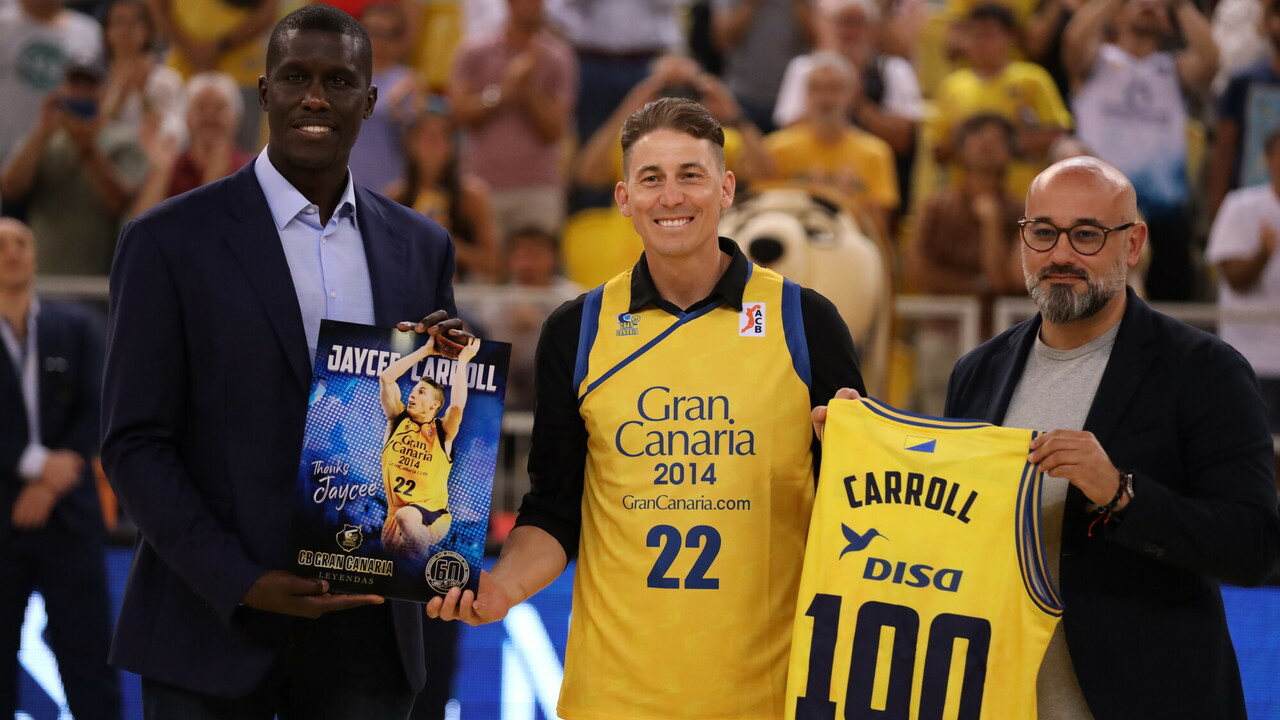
[
  {"x": 890, "y": 487},
  {"x": 918, "y": 576}
]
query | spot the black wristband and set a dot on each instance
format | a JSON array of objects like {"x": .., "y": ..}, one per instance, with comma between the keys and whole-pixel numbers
[{"x": 1124, "y": 488}]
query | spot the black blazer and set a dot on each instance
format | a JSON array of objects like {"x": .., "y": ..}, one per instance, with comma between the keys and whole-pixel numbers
[
  {"x": 1144, "y": 621},
  {"x": 69, "y": 370},
  {"x": 204, "y": 404}
]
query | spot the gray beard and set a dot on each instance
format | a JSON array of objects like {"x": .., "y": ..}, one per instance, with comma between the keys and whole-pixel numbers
[{"x": 1060, "y": 304}]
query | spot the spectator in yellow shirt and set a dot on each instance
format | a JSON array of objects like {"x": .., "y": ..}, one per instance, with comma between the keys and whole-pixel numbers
[
  {"x": 827, "y": 149},
  {"x": 1021, "y": 92}
]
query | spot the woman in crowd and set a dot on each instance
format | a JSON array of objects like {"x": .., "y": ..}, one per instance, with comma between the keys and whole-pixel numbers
[
  {"x": 137, "y": 84},
  {"x": 434, "y": 186},
  {"x": 214, "y": 108}
]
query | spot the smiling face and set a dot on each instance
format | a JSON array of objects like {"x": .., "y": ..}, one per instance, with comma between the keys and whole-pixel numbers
[
  {"x": 675, "y": 188},
  {"x": 315, "y": 94}
]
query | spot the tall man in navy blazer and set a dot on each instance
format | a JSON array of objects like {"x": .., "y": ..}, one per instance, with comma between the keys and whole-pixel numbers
[
  {"x": 216, "y": 298},
  {"x": 1158, "y": 456}
]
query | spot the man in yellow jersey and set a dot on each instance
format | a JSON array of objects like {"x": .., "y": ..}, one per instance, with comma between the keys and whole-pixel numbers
[
  {"x": 672, "y": 453},
  {"x": 1158, "y": 462},
  {"x": 418, "y": 454}
]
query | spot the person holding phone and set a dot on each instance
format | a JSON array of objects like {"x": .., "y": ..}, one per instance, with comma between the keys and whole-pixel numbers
[{"x": 77, "y": 172}]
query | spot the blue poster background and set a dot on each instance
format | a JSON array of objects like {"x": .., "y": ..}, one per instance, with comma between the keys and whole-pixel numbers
[{"x": 341, "y": 504}]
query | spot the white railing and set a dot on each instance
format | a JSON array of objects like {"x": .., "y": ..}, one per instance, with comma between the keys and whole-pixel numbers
[
  {"x": 963, "y": 310},
  {"x": 1010, "y": 311},
  {"x": 79, "y": 287},
  {"x": 964, "y": 313}
]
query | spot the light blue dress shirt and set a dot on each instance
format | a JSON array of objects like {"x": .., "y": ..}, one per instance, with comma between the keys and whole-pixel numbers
[{"x": 327, "y": 262}]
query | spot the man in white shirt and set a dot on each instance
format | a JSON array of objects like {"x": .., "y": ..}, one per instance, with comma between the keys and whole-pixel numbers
[
  {"x": 52, "y": 536},
  {"x": 1242, "y": 244}
]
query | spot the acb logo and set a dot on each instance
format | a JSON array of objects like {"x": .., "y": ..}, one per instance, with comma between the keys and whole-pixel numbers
[{"x": 751, "y": 320}]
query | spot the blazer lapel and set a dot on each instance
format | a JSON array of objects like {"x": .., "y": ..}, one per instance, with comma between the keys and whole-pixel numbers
[
  {"x": 1130, "y": 359},
  {"x": 1010, "y": 363},
  {"x": 385, "y": 252},
  {"x": 256, "y": 245}
]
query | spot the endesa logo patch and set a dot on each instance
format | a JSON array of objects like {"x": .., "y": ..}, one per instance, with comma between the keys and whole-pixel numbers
[{"x": 751, "y": 320}]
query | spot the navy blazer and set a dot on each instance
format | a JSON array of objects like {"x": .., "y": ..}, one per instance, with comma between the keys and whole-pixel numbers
[
  {"x": 69, "y": 357},
  {"x": 1180, "y": 409},
  {"x": 204, "y": 404}
]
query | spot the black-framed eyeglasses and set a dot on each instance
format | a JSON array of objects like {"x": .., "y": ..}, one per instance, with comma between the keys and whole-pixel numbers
[{"x": 1085, "y": 238}]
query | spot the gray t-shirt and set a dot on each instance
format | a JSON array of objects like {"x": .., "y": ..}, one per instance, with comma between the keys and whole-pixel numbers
[{"x": 1055, "y": 393}]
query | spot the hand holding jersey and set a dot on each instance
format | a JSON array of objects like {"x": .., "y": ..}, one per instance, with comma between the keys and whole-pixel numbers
[
  {"x": 1073, "y": 455},
  {"x": 1076, "y": 456},
  {"x": 819, "y": 414},
  {"x": 928, "y": 527}
]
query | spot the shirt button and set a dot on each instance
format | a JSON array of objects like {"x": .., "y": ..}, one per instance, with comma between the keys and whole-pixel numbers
[
  {"x": 310, "y": 210},
  {"x": 324, "y": 241},
  {"x": 333, "y": 293}
]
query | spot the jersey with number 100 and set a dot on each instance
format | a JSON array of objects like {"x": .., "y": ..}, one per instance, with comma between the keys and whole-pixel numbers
[
  {"x": 696, "y": 498},
  {"x": 925, "y": 592}
]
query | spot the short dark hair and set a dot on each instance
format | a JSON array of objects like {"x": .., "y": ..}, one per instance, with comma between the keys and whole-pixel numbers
[
  {"x": 974, "y": 123},
  {"x": 321, "y": 18},
  {"x": 438, "y": 387},
  {"x": 997, "y": 13},
  {"x": 671, "y": 113},
  {"x": 1269, "y": 142}
]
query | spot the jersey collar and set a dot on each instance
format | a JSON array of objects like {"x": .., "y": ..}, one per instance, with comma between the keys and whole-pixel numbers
[{"x": 728, "y": 290}]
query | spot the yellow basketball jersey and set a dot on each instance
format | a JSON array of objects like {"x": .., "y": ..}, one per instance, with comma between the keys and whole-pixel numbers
[
  {"x": 925, "y": 592},
  {"x": 698, "y": 485},
  {"x": 415, "y": 466}
]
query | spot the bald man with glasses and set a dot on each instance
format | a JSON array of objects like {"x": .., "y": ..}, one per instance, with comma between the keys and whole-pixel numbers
[{"x": 1158, "y": 459}]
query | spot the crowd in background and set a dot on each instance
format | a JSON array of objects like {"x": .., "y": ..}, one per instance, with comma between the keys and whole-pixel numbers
[{"x": 500, "y": 120}]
